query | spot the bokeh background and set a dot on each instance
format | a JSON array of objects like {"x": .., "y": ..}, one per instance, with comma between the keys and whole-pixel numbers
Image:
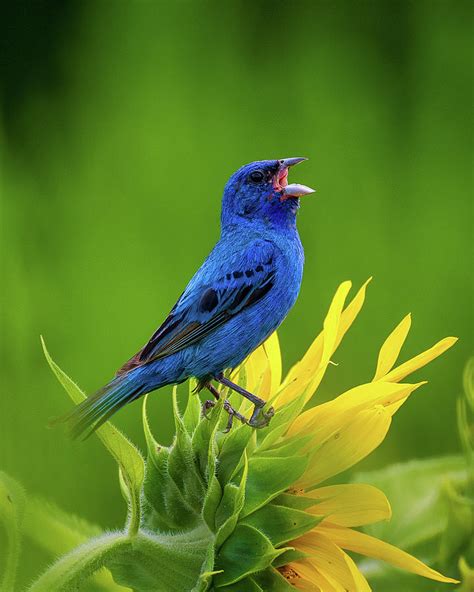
[{"x": 121, "y": 122}]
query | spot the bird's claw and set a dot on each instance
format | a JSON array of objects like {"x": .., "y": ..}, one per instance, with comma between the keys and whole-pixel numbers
[
  {"x": 232, "y": 413},
  {"x": 205, "y": 408},
  {"x": 261, "y": 418}
]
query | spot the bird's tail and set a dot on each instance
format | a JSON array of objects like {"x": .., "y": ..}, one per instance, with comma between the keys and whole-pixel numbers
[{"x": 86, "y": 417}]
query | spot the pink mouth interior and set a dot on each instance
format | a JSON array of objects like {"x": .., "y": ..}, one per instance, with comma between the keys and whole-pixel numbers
[{"x": 281, "y": 179}]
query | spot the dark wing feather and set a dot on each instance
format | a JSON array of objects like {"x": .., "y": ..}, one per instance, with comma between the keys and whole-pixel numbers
[{"x": 204, "y": 308}]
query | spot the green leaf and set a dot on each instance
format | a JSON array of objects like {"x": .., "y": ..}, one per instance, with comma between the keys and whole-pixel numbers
[
  {"x": 163, "y": 563},
  {"x": 281, "y": 524},
  {"x": 459, "y": 531},
  {"x": 245, "y": 552},
  {"x": 269, "y": 477},
  {"x": 128, "y": 458},
  {"x": 71, "y": 571},
  {"x": 12, "y": 508},
  {"x": 415, "y": 491},
  {"x": 420, "y": 507}
]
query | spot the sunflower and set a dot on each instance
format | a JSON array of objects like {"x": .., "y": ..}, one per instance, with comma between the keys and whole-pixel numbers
[
  {"x": 250, "y": 510},
  {"x": 340, "y": 433}
]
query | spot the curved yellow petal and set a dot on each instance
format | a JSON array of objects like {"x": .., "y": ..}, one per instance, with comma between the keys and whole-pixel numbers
[
  {"x": 362, "y": 585},
  {"x": 420, "y": 360},
  {"x": 353, "y": 504},
  {"x": 273, "y": 352},
  {"x": 258, "y": 372},
  {"x": 333, "y": 320},
  {"x": 346, "y": 446},
  {"x": 309, "y": 573},
  {"x": 306, "y": 375},
  {"x": 323, "y": 419},
  {"x": 364, "y": 544},
  {"x": 391, "y": 347},
  {"x": 328, "y": 559},
  {"x": 351, "y": 311}
]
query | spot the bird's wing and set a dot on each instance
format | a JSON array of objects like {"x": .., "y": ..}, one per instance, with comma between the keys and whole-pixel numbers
[{"x": 221, "y": 288}]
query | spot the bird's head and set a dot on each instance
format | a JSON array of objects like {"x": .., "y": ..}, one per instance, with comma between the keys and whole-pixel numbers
[{"x": 259, "y": 192}]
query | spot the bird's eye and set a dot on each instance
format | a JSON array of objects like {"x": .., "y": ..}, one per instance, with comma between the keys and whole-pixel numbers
[{"x": 256, "y": 176}]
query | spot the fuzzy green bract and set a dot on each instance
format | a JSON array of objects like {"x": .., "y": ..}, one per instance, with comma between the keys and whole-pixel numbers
[{"x": 207, "y": 513}]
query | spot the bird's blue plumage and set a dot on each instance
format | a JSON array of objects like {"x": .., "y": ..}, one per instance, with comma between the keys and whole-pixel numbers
[{"x": 236, "y": 299}]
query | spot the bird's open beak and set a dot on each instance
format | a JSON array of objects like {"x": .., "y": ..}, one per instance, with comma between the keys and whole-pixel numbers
[{"x": 280, "y": 180}]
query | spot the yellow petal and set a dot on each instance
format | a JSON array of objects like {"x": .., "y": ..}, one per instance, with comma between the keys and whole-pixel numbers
[
  {"x": 258, "y": 372},
  {"x": 323, "y": 419},
  {"x": 328, "y": 559},
  {"x": 420, "y": 360},
  {"x": 306, "y": 375},
  {"x": 350, "y": 505},
  {"x": 309, "y": 573},
  {"x": 273, "y": 352},
  {"x": 391, "y": 348},
  {"x": 346, "y": 446},
  {"x": 333, "y": 319},
  {"x": 362, "y": 585},
  {"x": 350, "y": 313},
  {"x": 364, "y": 544}
]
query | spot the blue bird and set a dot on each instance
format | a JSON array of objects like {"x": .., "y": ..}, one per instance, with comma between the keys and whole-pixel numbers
[{"x": 236, "y": 299}]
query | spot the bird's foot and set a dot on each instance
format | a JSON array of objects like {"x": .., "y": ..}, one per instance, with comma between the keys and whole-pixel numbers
[
  {"x": 205, "y": 408},
  {"x": 261, "y": 418},
  {"x": 232, "y": 413},
  {"x": 228, "y": 408}
]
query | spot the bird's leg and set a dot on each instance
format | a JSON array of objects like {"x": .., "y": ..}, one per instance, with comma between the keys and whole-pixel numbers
[{"x": 259, "y": 418}]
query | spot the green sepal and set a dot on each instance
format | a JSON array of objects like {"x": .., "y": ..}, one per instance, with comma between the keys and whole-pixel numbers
[
  {"x": 245, "y": 585},
  {"x": 269, "y": 477},
  {"x": 245, "y": 552},
  {"x": 165, "y": 507},
  {"x": 12, "y": 510},
  {"x": 298, "y": 502},
  {"x": 282, "y": 420},
  {"x": 289, "y": 556},
  {"x": 192, "y": 413},
  {"x": 128, "y": 457},
  {"x": 271, "y": 580},
  {"x": 211, "y": 502},
  {"x": 181, "y": 463},
  {"x": 203, "y": 440},
  {"x": 231, "y": 505},
  {"x": 153, "y": 447},
  {"x": 232, "y": 451},
  {"x": 281, "y": 524},
  {"x": 290, "y": 447}
]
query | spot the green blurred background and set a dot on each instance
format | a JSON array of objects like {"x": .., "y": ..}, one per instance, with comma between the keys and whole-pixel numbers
[{"x": 121, "y": 123}]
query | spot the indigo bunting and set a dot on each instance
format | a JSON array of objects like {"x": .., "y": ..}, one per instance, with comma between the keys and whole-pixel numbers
[{"x": 236, "y": 299}]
